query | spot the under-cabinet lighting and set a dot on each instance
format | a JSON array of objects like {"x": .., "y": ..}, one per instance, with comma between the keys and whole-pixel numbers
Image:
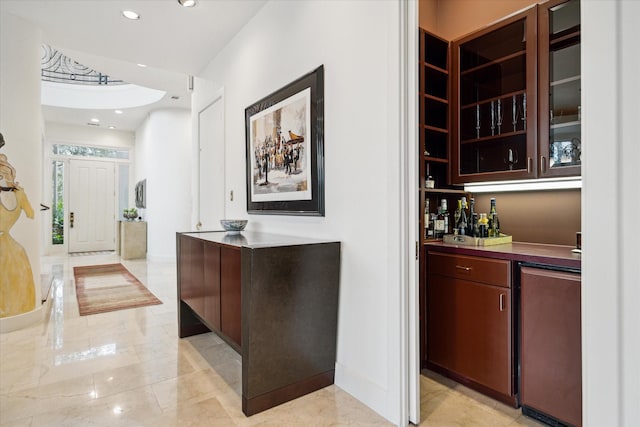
[
  {"x": 118, "y": 111},
  {"x": 524, "y": 185}
]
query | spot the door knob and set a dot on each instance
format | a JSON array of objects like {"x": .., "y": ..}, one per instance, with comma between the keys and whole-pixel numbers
[
  {"x": 71, "y": 219},
  {"x": 198, "y": 226}
]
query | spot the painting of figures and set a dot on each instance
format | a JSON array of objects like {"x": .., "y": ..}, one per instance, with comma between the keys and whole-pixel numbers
[{"x": 284, "y": 134}]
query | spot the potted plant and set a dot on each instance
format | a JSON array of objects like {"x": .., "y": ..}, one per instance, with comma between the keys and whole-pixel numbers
[{"x": 130, "y": 214}]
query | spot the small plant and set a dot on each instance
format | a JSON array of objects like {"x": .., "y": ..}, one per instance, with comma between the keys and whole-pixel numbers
[{"x": 130, "y": 214}]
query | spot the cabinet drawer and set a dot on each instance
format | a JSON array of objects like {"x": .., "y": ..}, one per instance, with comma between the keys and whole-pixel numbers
[{"x": 495, "y": 272}]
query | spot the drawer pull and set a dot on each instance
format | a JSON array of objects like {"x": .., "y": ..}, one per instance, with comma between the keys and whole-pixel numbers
[
  {"x": 461, "y": 267},
  {"x": 502, "y": 302}
]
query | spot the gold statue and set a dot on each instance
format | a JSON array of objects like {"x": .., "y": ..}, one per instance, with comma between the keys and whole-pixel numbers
[{"x": 17, "y": 289}]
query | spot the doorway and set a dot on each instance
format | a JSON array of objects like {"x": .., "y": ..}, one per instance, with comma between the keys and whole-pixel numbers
[
  {"x": 211, "y": 165},
  {"x": 92, "y": 219}
]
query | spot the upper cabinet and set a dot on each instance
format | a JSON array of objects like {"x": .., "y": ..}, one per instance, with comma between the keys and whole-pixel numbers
[
  {"x": 516, "y": 97},
  {"x": 559, "y": 80}
]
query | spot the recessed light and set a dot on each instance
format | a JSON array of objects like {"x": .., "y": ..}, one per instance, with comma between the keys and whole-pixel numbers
[
  {"x": 187, "y": 3},
  {"x": 95, "y": 120},
  {"x": 118, "y": 111},
  {"x": 141, "y": 65},
  {"x": 112, "y": 127},
  {"x": 130, "y": 14}
]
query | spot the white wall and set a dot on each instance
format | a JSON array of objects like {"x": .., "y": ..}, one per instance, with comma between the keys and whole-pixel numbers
[
  {"x": 86, "y": 135},
  {"x": 357, "y": 41},
  {"x": 21, "y": 125},
  {"x": 163, "y": 158},
  {"x": 610, "y": 206}
]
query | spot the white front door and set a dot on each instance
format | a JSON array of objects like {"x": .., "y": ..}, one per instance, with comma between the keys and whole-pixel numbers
[
  {"x": 91, "y": 217},
  {"x": 211, "y": 158}
]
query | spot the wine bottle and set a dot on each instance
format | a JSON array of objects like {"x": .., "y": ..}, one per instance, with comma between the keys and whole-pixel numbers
[
  {"x": 494, "y": 222},
  {"x": 438, "y": 228},
  {"x": 473, "y": 217},
  {"x": 456, "y": 215},
  {"x": 462, "y": 221},
  {"x": 444, "y": 217},
  {"x": 483, "y": 225},
  {"x": 428, "y": 229}
]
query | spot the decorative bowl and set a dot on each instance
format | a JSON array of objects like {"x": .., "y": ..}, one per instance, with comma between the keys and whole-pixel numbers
[{"x": 233, "y": 226}]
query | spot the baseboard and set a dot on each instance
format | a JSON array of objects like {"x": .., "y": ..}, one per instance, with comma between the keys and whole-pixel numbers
[
  {"x": 24, "y": 320},
  {"x": 367, "y": 392}
]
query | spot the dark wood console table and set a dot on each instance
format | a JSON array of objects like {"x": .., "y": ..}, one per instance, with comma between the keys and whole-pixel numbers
[{"x": 273, "y": 299}]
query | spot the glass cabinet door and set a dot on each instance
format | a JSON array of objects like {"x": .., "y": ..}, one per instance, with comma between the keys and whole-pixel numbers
[
  {"x": 495, "y": 101},
  {"x": 559, "y": 74}
]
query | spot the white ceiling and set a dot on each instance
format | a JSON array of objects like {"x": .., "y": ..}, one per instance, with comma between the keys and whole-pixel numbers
[{"x": 174, "y": 42}]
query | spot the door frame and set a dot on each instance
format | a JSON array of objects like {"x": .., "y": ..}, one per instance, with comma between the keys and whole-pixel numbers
[
  {"x": 47, "y": 193},
  {"x": 217, "y": 97}
]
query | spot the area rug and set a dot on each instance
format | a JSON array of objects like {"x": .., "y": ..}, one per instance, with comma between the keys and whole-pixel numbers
[{"x": 109, "y": 287}]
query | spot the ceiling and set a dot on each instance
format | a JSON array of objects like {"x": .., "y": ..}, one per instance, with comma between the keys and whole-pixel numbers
[{"x": 172, "y": 41}]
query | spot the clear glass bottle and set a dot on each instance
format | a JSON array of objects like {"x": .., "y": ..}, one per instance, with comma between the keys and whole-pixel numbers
[
  {"x": 444, "y": 217},
  {"x": 456, "y": 215},
  {"x": 438, "y": 227},
  {"x": 462, "y": 220},
  {"x": 428, "y": 228}
]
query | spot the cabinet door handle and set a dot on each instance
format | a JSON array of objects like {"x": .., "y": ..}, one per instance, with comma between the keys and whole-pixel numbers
[
  {"x": 528, "y": 164},
  {"x": 461, "y": 267},
  {"x": 543, "y": 164},
  {"x": 502, "y": 302}
]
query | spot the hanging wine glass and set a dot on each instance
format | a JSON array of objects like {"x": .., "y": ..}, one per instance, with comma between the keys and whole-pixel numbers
[
  {"x": 514, "y": 111},
  {"x": 493, "y": 119},
  {"x": 524, "y": 111},
  {"x": 499, "y": 116},
  {"x": 477, "y": 121}
]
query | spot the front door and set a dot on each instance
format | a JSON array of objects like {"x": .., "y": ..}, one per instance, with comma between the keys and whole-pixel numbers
[{"x": 91, "y": 206}]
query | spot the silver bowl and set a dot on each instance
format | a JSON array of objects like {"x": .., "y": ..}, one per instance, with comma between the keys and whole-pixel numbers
[{"x": 233, "y": 226}]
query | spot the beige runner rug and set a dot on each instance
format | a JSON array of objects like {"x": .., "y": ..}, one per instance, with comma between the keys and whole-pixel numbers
[{"x": 109, "y": 287}]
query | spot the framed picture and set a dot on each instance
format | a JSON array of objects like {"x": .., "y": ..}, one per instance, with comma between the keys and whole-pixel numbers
[{"x": 285, "y": 149}]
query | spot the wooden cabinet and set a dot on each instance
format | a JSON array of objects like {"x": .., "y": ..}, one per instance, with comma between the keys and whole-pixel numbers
[
  {"x": 559, "y": 82},
  {"x": 494, "y": 101},
  {"x": 550, "y": 361},
  {"x": 273, "y": 299},
  {"x": 210, "y": 284},
  {"x": 212, "y": 293},
  {"x": 434, "y": 124},
  {"x": 192, "y": 274},
  {"x": 516, "y": 97},
  {"x": 230, "y": 294},
  {"x": 469, "y": 318}
]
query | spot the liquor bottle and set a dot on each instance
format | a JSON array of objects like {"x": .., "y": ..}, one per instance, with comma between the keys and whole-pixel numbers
[
  {"x": 438, "y": 227},
  {"x": 462, "y": 221},
  {"x": 444, "y": 217},
  {"x": 456, "y": 215},
  {"x": 494, "y": 222},
  {"x": 473, "y": 217},
  {"x": 483, "y": 225},
  {"x": 428, "y": 229}
]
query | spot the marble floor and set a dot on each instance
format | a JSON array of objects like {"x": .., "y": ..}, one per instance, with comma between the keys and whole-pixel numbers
[{"x": 128, "y": 368}]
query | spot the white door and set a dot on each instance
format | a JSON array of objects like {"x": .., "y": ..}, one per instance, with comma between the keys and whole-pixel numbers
[
  {"x": 91, "y": 219},
  {"x": 211, "y": 165}
]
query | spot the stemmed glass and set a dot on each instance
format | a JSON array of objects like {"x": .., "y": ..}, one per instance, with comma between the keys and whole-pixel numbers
[
  {"x": 511, "y": 159},
  {"x": 477, "y": 121},
  {"x": 499, "y": 116},
  {"x": 514, "y": 112}
]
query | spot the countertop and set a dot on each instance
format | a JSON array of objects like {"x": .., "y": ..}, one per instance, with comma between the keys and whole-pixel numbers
[
  {"x": 252, "y": 239},
  {"x": 556, "y": 255}
]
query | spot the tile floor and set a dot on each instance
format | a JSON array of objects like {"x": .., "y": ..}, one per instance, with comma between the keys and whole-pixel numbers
[{"x": 128, "y": 368}]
